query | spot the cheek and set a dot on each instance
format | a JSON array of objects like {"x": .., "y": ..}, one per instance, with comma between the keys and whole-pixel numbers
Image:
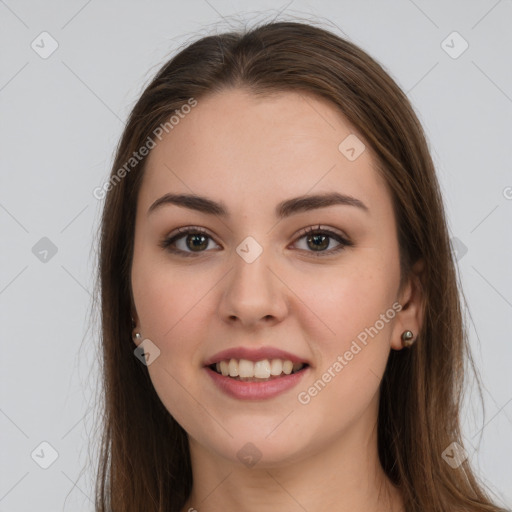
[
  {"x": 349, "y": 299},
  {"x": 167, "y": 296},
  {"x": 171, "y": 306},
  {"x": 352, "y": 344},
  {"x": 357, "y": 307},
  {"x": 175, "y": 306}
]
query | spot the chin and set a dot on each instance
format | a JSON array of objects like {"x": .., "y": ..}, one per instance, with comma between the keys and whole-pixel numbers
[{"x": 253, "y": 449}]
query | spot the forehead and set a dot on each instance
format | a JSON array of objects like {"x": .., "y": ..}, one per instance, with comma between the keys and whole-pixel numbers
[{"x": 242, "y": 147}]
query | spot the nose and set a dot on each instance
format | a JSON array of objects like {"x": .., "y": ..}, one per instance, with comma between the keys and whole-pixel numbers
[{"x": 253, "y": 294}]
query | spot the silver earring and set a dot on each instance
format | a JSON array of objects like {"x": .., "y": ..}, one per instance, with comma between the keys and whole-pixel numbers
[
  {"x": 407, "y": 338},
  {"x": 137, "y": 336}
]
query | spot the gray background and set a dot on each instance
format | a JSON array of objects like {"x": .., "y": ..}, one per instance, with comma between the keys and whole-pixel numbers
[{"x": 61, "y": 118}]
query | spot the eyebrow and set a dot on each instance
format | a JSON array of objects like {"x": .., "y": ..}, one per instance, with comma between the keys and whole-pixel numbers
[{"x": 284, "y": 209}]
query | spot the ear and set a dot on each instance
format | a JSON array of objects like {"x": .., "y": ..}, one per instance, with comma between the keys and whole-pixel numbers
[{"x": 411, "y": 298}]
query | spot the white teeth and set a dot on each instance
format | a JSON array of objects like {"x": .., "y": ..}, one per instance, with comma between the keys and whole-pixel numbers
[
  {"x": 224, "y": 368},
  {"x": 245, "y": 368},
  {"x": 287, "y": 367},
  {"x": 264, "y": 369},
  {"x": 233, "y": 368},
  {"x": 276, "y": 367}
]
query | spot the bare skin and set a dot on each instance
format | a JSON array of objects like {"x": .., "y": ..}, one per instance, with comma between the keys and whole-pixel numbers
[{"x": 250, "y": 153}]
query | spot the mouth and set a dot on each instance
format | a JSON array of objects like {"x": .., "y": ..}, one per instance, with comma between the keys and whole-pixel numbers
[{"x": 263, "y": 370}]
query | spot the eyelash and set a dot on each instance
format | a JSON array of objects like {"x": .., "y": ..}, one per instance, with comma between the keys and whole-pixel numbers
[{"x": 318, "y": 230}]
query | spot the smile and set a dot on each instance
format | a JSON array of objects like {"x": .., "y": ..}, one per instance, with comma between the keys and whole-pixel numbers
[
  {"x": 248, "y": 386},
  {"x": 257, "y": 371}
]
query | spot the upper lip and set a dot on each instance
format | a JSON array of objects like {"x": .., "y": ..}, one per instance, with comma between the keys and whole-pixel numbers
[{"x": 254, "y": 354}]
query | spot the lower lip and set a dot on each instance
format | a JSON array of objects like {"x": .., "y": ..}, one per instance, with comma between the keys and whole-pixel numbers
[{"x": 255, "y": 390}]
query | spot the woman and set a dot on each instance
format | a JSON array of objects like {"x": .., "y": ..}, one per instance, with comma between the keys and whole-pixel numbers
[{"x": 280, "y": 313}]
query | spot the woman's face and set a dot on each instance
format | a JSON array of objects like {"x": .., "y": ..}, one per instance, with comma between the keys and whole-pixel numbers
[{"x": 251, "y": 280}]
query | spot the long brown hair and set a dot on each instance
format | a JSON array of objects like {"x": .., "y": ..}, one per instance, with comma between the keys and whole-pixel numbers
[{"x": 145, "y": 462}]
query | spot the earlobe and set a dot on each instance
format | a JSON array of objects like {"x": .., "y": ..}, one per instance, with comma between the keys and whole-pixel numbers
[{"x": 409, "y": 319}]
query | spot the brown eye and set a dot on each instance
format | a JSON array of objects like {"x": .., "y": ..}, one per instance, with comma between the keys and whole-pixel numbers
[
  {"x": 196, "y": 241},
  {"x": 187, "y": 242},
  {"x": 319, "y": 240}
]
